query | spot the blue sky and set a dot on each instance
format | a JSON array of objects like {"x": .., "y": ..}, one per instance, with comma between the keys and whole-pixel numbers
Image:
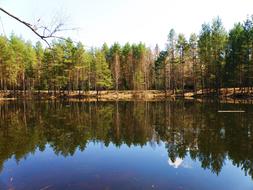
[{"x": 124, "y": 21}]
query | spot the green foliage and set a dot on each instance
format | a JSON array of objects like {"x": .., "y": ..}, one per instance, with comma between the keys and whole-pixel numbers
[
  {"x": 213, "y": 59},
  {"x": 102, "y": 71},
  {"x": 212, "y": 46}
]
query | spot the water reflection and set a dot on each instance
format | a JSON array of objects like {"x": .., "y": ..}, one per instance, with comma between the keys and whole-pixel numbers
[
  {"x": 176, "y": 163},
  {"x": 186, "y": 128}
]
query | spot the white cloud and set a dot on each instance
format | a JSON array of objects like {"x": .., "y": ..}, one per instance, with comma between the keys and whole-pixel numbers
[
  {"x": 179, "y": 163},
  {"x": 176, "y": 163}
]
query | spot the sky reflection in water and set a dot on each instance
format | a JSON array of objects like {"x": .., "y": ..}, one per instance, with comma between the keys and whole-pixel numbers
[{"x": 130, "y": 148}]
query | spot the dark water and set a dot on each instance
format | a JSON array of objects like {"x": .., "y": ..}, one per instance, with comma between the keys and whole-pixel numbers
[{"x": 125, "y": 145}]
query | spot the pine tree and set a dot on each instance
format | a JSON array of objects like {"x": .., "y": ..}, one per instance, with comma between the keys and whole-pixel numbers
[{"x": 102, "y": 72}]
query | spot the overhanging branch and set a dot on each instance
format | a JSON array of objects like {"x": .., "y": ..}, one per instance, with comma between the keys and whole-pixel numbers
[{"x": 46, "y": 33}]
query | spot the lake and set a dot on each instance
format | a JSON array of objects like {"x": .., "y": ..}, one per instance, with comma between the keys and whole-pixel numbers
[{"x": 181, "y": 145}]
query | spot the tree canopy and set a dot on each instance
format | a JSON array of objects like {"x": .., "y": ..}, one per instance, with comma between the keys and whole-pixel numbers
[{"x": 212, "y": 59}]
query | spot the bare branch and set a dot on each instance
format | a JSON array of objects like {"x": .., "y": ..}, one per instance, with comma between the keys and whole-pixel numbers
[
  {"x": 45, "y": 31},
  {"x": 27, "y": 25}
]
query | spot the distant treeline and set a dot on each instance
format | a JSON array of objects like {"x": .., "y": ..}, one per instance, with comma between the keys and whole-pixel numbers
[{"x": 212, "y": 59}]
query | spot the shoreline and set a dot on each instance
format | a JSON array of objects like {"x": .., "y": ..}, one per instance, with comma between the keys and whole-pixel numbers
[{"x": 126, "y": 95}]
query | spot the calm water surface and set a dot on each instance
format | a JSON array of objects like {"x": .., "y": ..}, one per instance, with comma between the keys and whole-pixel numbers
[{"x": 125, "y": 145}]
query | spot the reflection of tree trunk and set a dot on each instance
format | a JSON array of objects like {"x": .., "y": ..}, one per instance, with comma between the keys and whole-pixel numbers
[
  {"x": 90, "y": 119},
  {"x": 24, "y": 114},
  {"x": 172, "y": 127},
  {"x": 146, "y": 114},
  {"x": 96, "y": 120},
  {"x": 165, "y": 114},
  {"x": 117, "y": 122},
  {"x": 169, "y": 116}
]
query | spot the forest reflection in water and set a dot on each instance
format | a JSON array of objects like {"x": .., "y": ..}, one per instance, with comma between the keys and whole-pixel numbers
[{"x": 187, "y": 128}]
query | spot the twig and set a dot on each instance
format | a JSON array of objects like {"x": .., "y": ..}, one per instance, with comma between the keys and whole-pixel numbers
[
  {"x": 27, "y": 25},
  {"x": 44, "y": 36}
]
